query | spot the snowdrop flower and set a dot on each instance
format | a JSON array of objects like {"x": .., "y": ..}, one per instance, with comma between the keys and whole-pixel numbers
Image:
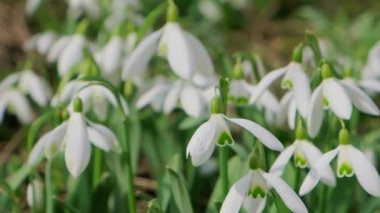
[
  {"x": 74, "y": 136},
  {"x": 216, "y": 132},
  {"x": 94, "y": 96},
  {"x": 294, "y": 78},
  {"x": 351, "y": 161},
  {"x": 305, "y": 155},
  {"x": 68, "y": 51},
  {"x": 110, "y": 56},
  {"x": 41, "y": 42},
  {"x": 339, "y": 96},
  {"x": 240, "y": 91},
  {"x": 251, "y": 192},
  {"x": 165, "y": 96},
  {"x": 13, "y": 91},
  {"x": 184, "y": 52}
]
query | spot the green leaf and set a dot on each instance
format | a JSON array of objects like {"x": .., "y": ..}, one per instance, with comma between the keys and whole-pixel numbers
[
  {"x": 190, "y": 122},
  {"x": 179, "y": 191},
  {"x": 151, "y": 19}
]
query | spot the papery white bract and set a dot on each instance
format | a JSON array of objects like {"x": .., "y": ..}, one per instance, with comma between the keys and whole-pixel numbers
[
  {"x": 351, "y": 161},
  {"x": 251, "y": 192},
  {"x": 216, "y": 132}
]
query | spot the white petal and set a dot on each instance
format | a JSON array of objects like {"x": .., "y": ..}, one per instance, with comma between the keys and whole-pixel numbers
[
  {"x": 71, "y": 55},
  {"x": 301, "y": 87},
  {"x": 31, "y": 6},
  {"x": 338, "y": 99},
  {"x": 9, "y": 81},
  {"x": 282, "y": 160},
  {"x": 292, "y": 115},
  {"x": 179, "y": 51},
  {"x": 254, "y": 205},
  {"x": 201, "y": 143},
  {"x": 264, "y": 136},
  {"x": 285, "y": 102},
  {"x": 155, "y": 92},
  {"x": 78, "y": 149},
  {"x": 57, "y": 48},
  {"x": 202, "y": 58},
  {"x": 139, "y": 58},
  {"x": 265, "y": 83},
  {"x": 313, "y": 154},
  {"x": 236, "y": 195},
  {"x": 55, "y": 141},
  {"x": 21, "y": 106},
  {"x": 192, "y": 101},
  {"x": 38, "y": 148},
  {"x": 313, "y": 176},
  {"x": 366, "y": 173},
  {"x": 290, "y": 198},
  {"x": 45, "y": 41},
  {"x": 3, "y": 107},
  {"x": 172, "y": 97},
  {"x": 106, "y": 135},
  {"x": 315, "y": 115},
  {"x": 36, "y": 87},
  {"x": 359, "y": 99},
  {"x": 372, "y": 85},
  {"x": 112, "y": 54}
]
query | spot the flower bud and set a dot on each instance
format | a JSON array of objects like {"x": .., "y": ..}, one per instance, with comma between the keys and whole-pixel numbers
[
  {"x": 254, "y": 161},
  {"x": 78, "y": 105},
  {"x": 297, "y": 53},
  {"x": 344, "y": 137},
  {"x": 238, "y": 72},
  {"x": 216, "y": 107},
  {"x": 172, "y": 12},
  {"x": 65, "y": 115},
  {"x": 300, "y": 131},
  {"x": 326, "y": 71}
]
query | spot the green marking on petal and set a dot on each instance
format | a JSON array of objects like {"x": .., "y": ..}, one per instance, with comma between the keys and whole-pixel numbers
[
  {"x": 287, "y": 84},
  {"x": 326, "y": 102},
  {"x": 257, "y": 191},
  {"x": 345, "y": 170},
  {"x": 225, "y": 139},
  {"x": 300, "y": 161}
]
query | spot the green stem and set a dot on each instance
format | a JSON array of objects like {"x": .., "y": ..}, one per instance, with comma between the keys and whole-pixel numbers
[
  {"x": 223, "y": 169},
  {"x": 7, "y": 188},
  {"x": 97, "y": 168},
  {"x": 49, "y": 189},
  {"x": 324, "y": 198},
  {"x": 129, "y": 172}
]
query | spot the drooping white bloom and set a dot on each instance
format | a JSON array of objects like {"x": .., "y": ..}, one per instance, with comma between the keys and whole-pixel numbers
[
  {"x": 184, "y": 52},
  {"x": 305, "y": 154},
  {"x": 211, "y": 10},
  {"x": 13, "y": 91},
  {"x": 216, "y": 132},
  {"x": 94, "y": 96},
  {"x": 294, "y": 78},
  {"x": 67, "y": 51},
  {"x": 74, "y": 137},
  {"x": 240, "y": 92},
  {"x": 251, "y": 192},
  {"x": 41, "y": 42},
  {"x": 339, "y": 96},
  {"x": 109, "y": 57},
  {"x": 351, "y": 161},
  {"x": 90, "y": 7},
  {"x": 165, "y": 96},
  {"x": 371, "y": 69}
]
